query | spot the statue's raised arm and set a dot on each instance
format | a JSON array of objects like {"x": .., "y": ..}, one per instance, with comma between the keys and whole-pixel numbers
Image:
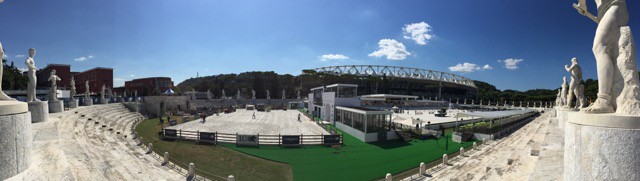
[{"x": 581, "y": 7}]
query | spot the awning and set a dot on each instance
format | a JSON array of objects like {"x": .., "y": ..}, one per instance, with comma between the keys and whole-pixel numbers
[
  {"x": 169, "y": 91},
  {"x": 493, "y": 114}
]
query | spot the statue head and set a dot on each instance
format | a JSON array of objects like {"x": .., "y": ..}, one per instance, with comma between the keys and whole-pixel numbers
[
  {"x": 53, "y": 72},
  {"x": 564, "y": 79},
  {"x": 574, "y": 60},
  {"x": 32, "y": 52}
]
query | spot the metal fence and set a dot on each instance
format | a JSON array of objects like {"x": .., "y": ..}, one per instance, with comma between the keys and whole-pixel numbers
[{"x": 261, "y": 139}]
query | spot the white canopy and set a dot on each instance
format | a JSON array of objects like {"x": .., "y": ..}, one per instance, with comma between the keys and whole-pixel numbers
[{"x": 492, "y": 114}]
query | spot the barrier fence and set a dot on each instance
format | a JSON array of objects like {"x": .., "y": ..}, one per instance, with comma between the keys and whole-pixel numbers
[{"x": 253, "y": 140}]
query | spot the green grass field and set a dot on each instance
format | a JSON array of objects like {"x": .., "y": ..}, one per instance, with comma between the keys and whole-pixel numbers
[
  {"x": 355, "y": 160},
  {"x": 217, "y": 160}
]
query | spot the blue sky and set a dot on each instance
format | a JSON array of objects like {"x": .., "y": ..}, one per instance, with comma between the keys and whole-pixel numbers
[{"x": 180, "y": 38}]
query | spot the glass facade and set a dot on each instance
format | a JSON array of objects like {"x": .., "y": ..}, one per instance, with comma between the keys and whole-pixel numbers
[
  {"x": 317, "y": 97},
  {"x": 372, "y": 122},
  {"x": 347, "y": 92}
]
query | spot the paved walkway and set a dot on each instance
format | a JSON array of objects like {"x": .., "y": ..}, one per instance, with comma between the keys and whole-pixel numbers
[
  {"x": 72, "y": 147},
  {"x": 510, "y": 158}
]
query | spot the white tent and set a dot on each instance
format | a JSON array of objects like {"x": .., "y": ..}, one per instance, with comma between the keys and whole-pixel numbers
[{"x": 493, "y": 114}]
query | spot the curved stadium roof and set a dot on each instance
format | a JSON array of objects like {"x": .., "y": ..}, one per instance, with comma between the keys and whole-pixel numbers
[{"x": 397, "y": 72}]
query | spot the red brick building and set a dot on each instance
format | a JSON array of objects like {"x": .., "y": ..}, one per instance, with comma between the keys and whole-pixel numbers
[
  {"x": 96, "y": 76},
  {"x": 146, "y": 86},
  {"x": 62, "y": 70}
]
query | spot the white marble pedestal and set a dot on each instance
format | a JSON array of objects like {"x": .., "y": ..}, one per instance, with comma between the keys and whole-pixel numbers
[
  {"x": 88, "y": 102},
  {"x": 56, "y": 106},
  {"x": 39, "y": 111},
  {"x": 104, "y": 101},
  {"x": 562, "y": 113},
  {"x": 72, "y": 103},
  {"x": 602, "y": 147},
  {"x": 15, "y": 138}
]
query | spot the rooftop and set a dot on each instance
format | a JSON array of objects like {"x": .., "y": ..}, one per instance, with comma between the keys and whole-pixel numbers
[
  {"x": 363, "y": 110},
  {"x": 389, "y": 96},
  {"x": 342, "y": 85}
]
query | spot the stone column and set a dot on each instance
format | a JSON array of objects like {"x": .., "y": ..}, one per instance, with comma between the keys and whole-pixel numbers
[
  {"x": 601, "y": 147},
  {"x": 15, "y": 138}
]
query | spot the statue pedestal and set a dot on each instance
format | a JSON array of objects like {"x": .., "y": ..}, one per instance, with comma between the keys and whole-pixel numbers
[
  {"x": 88, "y": 102},
  {"x": 72, "y": 103},
  {"x": 104, "y": 101},
  {"x": 602, "y": 147},
  {"x": 562, "y": 115},
  {"x": 39, "y": 111},
  {"x": 56, "y": 106},
  {"x": 15, "y": 138}
]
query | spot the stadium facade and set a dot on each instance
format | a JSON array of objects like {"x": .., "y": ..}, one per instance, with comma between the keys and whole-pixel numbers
[{"x": 380, "y": 79}]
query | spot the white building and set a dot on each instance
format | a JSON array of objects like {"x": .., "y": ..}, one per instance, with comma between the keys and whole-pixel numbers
[{"x": 339, "y": 105}]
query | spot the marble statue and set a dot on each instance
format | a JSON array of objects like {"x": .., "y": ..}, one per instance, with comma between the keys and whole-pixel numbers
[
  {"x": 109, "y": 93},
  {"x": 268, "y": 95},
  {"x": 559, "y": 98},
  {"x": 614, "y": 50},
  {"x": 124, "y": 94},
  {"x": 102, "y": 92},
  {"x": 301, "y": 97},
  {"x": 576, "y": 78},
  {"x": 208, "y": 94},
  {"x": 33, "y": 80},
  {"x": 238, "y": 94},
  {"x": 73, "y": 88},
  {"x": 284, "y": 95},
  {"x": 473, "y": 102},
  {"x": 224, "y": 96},
  {"x": 563, "y": 95},
  {"x": 580, "y": 96},
  {"x": 135, "y": 93},
  {"x": 53, "y": 91},
  {"x": 253, "y": 94},
  {"x": 87, "y": 92},
  {"x": 3, "y": 96}
]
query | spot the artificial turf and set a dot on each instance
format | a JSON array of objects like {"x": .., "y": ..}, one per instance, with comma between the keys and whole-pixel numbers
[{"x": 355, "y": 160}]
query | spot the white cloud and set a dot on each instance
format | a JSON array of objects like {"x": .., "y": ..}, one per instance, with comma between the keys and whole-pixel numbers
[
  {"x": 467, "y": 67},
  {"x": 392, "y": 49},
  {"x": 83, "y": 58},
  {"x": 418, "y": 32},
  {"x": 333, "y": 57},
  {"x": 19, "y": 56},
  {"x": 511, "y": 63},
  {"x": 117, "y": 82}
]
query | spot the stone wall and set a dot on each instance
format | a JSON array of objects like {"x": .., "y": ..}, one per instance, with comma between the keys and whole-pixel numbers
[{"x": 151, "y": 104}]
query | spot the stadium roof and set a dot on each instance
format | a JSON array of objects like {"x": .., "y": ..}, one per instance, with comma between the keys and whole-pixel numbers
[
  {"x": 398, "y": 72},
  {"x": 493, "y": 114}
]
